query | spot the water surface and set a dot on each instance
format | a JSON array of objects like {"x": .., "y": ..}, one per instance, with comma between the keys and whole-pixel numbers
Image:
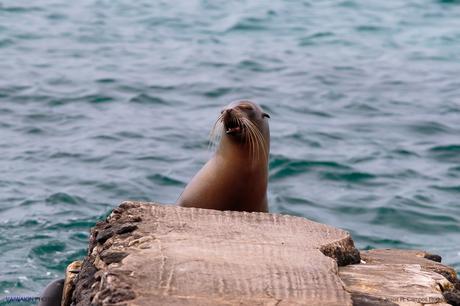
[{"x": 103, "y": 101}]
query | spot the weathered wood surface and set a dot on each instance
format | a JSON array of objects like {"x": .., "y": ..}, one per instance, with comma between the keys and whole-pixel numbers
[
  {"x": 399, "y": 277},
  {"x": 70, "y": 274},
  {"x": 148, "y": 254}
]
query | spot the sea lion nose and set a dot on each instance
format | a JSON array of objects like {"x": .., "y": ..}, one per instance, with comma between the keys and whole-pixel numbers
[{"x": 228, "y": 113}]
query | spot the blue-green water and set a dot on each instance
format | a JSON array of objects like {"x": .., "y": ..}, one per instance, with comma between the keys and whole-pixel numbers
[{"x": 103, "y": 101}]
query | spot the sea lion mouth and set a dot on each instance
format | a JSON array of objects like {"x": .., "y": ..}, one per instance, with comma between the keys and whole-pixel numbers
[
  {"x": 232, "y": 125},
  {"x": 233, "y": 130}
]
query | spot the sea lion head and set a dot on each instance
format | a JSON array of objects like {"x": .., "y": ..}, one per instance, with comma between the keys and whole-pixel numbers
[
  {"x": 244, "y": 123},
  {"x": 238, "y": 114}
]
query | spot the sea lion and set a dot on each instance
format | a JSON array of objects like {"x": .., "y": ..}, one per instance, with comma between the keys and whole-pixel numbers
[
  {"x": 52, "y": 294},
  {"x": 236, "y": 177}
]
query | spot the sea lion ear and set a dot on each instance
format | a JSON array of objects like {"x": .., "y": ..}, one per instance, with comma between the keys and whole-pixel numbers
[{"x": 265, "y": 115}]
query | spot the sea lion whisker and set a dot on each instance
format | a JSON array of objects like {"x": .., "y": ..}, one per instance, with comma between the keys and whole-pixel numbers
[
  {"x": 213, "y": 136},
  {"x": 262, "y": 144},
  {"x": 252, "y": 147},
  {"x": 240, "y": 124},
  {"x": 248, "y": 133},
  {"x": 249, "y": 140},
  {"x": 251, "y": 136},
  {"x": 256, "y": 141},
  {"x": 256, "y": 145},
  {"x": 215, "y": 133},
  {"x": 258, "y": 138}
]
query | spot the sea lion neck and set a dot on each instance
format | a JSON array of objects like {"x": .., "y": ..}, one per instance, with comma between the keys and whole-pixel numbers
[
  {"x": 230, "y": 146},
  {"x": 240, "y": 151}
]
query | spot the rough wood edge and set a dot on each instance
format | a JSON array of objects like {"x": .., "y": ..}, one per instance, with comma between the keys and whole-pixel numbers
[{"x": 71, "y": 273}]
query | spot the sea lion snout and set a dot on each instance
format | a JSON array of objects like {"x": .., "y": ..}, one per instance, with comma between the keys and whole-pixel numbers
[{"x": 231, "y": 122}]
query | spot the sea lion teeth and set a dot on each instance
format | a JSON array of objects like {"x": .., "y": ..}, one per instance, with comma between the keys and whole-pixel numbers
[{"x": 233, "y": 130}]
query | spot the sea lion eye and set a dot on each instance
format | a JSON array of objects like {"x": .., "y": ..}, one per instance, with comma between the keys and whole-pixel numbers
[{"x": 265, "y": 115}]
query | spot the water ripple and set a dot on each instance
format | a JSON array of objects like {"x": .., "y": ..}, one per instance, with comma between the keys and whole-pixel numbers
[
  {"x": 164, "y": 180},
  {"x": 350, "y": 177},
  {"x": 446, "y": 153},
  {"x": 144, "y": 98},
  {"x": 281, "y": 167},
  {"x": 64, "y": 198},
  {"x": 425, "y": 223}
]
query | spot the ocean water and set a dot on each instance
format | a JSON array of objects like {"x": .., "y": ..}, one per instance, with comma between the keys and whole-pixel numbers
[{"x": 107, "y": 100}]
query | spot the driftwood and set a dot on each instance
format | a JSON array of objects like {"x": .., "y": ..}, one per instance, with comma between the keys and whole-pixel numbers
[
  {"x": 150, "y": 254},
  {"x": 400, "y": 277},
  {"x": 147, "y": 254}
]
